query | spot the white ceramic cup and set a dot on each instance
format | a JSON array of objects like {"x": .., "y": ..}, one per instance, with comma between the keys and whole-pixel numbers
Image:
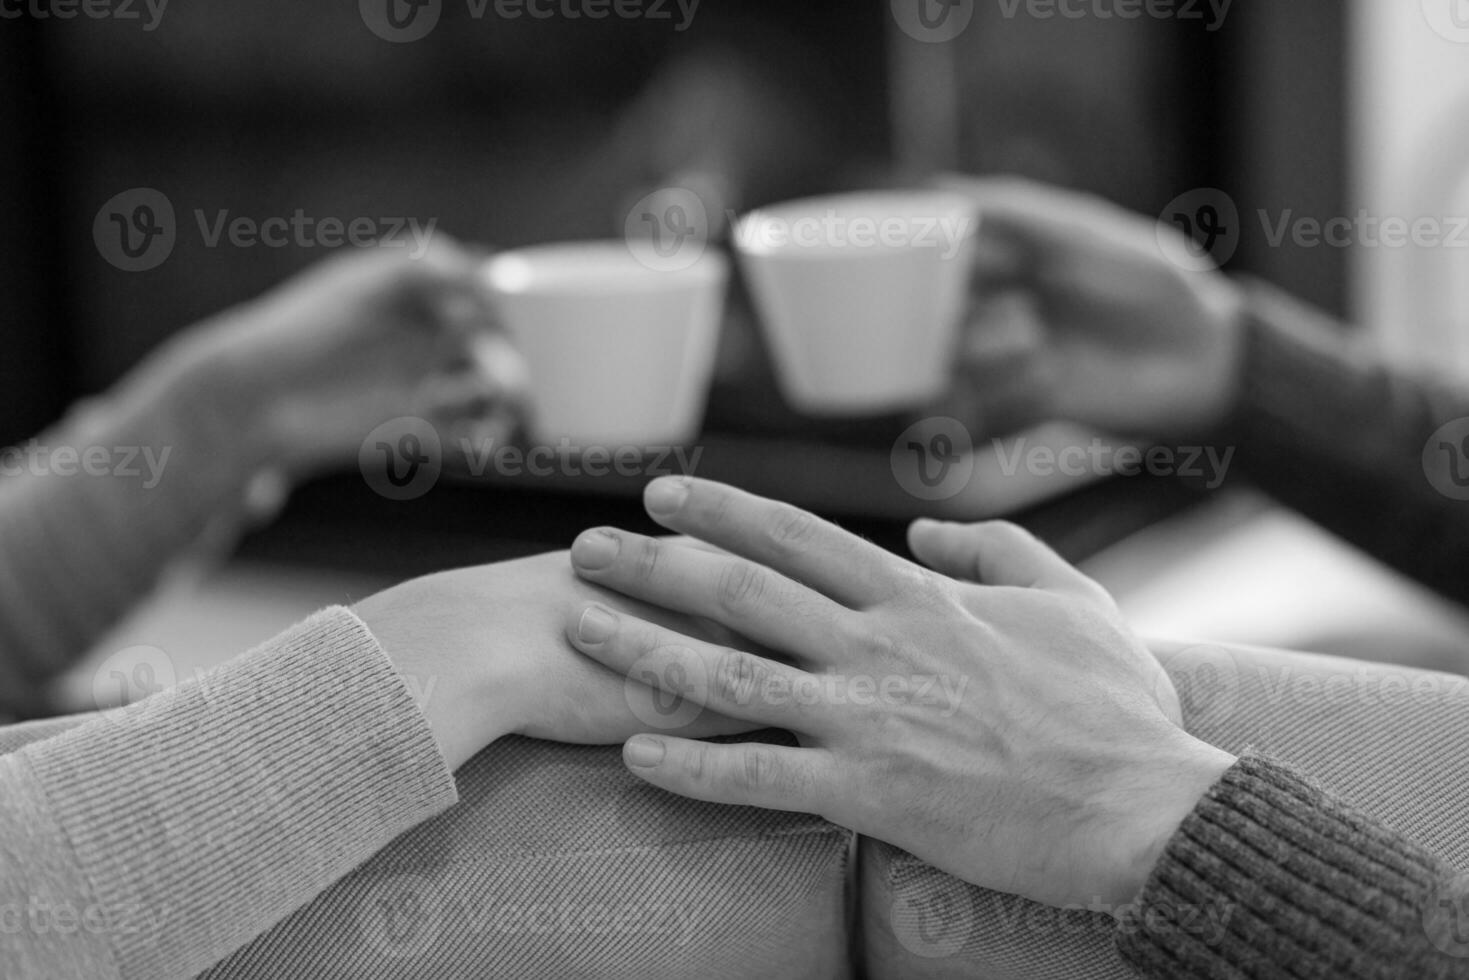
[
  {"x": 860, "y": 295},
  {"x": 618, "y": 354}
]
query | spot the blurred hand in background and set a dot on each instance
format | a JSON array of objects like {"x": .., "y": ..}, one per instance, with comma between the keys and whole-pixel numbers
[
  {"x": 314, "y": 365},
  {"x": 1076, "y": 313}
]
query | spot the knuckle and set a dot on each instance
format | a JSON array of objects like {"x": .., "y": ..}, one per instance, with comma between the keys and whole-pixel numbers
[
  {"x": 740, "y": 585},
  {"x": 756, "y": 769},
  {"x": 792, "y": 529},
  {"x": 646, "y": 560},
  {"x": 881, "y": 646},
  {"x": 696, "y": 762},
  {"x": 737, "y": 677}
]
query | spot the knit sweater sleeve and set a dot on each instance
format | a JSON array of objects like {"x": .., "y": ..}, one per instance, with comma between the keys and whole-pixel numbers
[
  {"x": 1329, "y": 427},
  {"x": 92, "y": 511},
  {"x": 153, "y": 841},
  {"x": 1273, "y": 878}
]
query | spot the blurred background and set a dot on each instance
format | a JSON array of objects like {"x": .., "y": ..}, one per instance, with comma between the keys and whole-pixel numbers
[{"x": 517, "y": 130}]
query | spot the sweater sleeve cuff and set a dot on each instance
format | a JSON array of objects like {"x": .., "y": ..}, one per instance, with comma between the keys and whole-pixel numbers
[
  {"x": 217, "y": 808},
  {"x": 1270, "y": 870}
]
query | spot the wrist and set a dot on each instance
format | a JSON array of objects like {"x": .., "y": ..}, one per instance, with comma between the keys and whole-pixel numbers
[
  {"x": 461, "y": 697},
  {"x": 223, "y": 406},
  {"x": 1159, "y": 801}
]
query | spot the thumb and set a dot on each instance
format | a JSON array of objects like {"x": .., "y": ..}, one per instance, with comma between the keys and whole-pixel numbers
[{"x": 997, "y": 553}]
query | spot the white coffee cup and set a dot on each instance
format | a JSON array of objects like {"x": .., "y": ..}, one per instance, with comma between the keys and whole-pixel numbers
[
  {"x": 619, "y": 354},
  {"x": 860, "y": 295}
]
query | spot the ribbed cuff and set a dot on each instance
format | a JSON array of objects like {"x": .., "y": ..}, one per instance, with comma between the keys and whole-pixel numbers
[
  {"x": 1269, "y": 877},
  {"x": 214, "y": 810}
]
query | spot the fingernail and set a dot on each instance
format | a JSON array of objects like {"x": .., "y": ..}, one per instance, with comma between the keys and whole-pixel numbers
[
  {"x": 595, "y": 550},
  {"x": 595, "y": 625},
  {"x": 643, "y": 751},
  {"x": 666, "y": 495}
]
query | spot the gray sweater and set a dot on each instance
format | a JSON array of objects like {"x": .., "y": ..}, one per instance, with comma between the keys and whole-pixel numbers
[{"x": 153, "y": 842}]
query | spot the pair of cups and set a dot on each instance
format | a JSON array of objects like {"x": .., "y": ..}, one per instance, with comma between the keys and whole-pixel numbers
[{"x": 860, "y": 296}]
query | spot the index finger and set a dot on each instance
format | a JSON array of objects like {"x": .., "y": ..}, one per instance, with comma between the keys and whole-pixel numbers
[{"x": 798, "y": 544}]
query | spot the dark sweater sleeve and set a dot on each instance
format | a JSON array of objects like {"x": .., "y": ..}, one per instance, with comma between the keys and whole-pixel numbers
[
  {"x": 1273, "y": 877},
  {"x": 1329, "y": 428}
]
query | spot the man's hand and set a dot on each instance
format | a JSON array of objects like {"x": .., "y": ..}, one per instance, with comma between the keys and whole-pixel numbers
[
  {"x": 483, "y": 649},
  {"x": 1076, "y": 313},
  {"x": 1012, "y": 732}
]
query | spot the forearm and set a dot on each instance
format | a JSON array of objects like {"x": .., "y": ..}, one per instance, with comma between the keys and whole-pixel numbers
[
  {"x": 196, "y": 820},
  {"x": 1333, "y": 431},
  {"x": 93, "y": 510},
  {"x": 1271, "y": 877}
]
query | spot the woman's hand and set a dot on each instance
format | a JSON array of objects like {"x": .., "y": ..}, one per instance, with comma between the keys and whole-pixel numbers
[
  {"x": 484, "y": 651},
  {"x": 303, "y": 373},
  {"x": 1077, "y": 313},
  {"x": 1013, "y": 733}
]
